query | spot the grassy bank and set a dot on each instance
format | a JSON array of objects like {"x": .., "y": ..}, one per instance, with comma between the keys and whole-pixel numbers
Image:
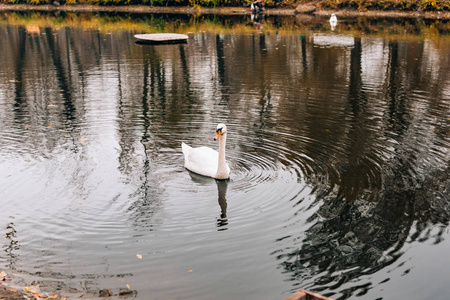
[
  {"x": 359, "y": 5},
  {"x": 399, "y": 5}
]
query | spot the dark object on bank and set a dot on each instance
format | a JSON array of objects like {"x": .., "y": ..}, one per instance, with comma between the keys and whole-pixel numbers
[{"x": 257, "y": 6}]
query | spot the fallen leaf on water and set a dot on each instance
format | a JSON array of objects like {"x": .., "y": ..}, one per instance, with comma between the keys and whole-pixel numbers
[
  {"x": 191, "y": 271},
  {"x": 53, "y": 297},
  {"x": 139, "y": 256},
  {"x": 32, "y": 289},
  {"x": 128, "y": 286},
  {"x": 11, "y": 290}
]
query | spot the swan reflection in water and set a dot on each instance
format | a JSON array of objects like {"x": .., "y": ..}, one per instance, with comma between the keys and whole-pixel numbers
[{"x": 222, "y": 186}]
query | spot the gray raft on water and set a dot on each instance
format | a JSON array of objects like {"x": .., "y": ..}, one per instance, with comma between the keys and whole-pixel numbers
[{"x": 161, "y": 38}]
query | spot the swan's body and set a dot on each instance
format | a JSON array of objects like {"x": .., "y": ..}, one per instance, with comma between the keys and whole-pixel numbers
[
  {"x": 333, "y": 20},
  {"x": 206, "y": 161}
]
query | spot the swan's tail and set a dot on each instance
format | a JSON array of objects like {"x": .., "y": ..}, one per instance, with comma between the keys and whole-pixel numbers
[{"x": 185, "y": 148}]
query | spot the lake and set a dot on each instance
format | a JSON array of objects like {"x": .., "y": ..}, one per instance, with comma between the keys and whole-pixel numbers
[{"x": 338, "y": 141}]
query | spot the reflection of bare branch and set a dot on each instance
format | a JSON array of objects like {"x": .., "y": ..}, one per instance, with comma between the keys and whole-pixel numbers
[{"x": 12, "y": 247}]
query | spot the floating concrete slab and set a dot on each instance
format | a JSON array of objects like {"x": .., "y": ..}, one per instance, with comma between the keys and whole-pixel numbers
[
  {"x": 333, "y": 40},
  {"x": 161, "y": 38}
]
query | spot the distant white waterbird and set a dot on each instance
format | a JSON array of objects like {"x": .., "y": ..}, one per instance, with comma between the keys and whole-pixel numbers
[{"x": 333, "y": 21}]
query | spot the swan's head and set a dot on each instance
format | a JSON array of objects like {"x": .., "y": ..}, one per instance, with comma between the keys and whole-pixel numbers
[{"x": 221, "y": 129}]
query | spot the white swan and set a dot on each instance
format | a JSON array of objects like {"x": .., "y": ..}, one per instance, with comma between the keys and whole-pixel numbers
[
  {"x": 333, "y": 20},
  {"x": 206, "y": 161}
]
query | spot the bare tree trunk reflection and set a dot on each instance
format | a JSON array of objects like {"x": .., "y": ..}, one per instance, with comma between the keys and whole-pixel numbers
[
  {"x": 145, "y": 139},
  {"x": 63, "y": 77},
  {"x": 19, "y": 101}
]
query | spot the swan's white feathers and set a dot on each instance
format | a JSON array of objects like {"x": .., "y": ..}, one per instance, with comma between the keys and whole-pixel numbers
[
  {"x": 201, "y": 160},
  {"x": 333, "y": 20}
]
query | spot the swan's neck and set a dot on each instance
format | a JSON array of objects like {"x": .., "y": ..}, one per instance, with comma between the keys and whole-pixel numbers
[{"x": 222, "y": 169}]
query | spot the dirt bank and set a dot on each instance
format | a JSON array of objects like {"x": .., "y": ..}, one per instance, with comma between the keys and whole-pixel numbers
[
  {"x": 221, "y": 11},
  {"x": 14, "y": 294}
]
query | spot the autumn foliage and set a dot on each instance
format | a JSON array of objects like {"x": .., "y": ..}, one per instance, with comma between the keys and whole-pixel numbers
[
  {"x": 361, "y": 5},
  {"x": 402, "y": 5},
  {"x": 207, "y": 3}
]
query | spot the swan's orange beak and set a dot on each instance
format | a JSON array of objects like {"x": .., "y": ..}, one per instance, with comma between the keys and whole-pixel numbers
[{"x": 218, "y": 133}]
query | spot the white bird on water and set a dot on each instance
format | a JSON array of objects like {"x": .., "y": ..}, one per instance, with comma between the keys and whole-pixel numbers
[
  {"x": 206, "y": 161},
  {"x": 333, "y": 20}
]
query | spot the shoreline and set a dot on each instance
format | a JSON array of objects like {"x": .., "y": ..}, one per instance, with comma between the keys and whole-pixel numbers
[{"x": 438, "y": 15}]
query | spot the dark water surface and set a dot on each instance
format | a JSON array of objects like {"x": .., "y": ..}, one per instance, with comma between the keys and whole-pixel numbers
[{"x": 338, "y": 141}]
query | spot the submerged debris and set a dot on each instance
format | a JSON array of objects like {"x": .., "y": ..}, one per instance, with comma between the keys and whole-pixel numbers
[{"x": 29, "y": 292}]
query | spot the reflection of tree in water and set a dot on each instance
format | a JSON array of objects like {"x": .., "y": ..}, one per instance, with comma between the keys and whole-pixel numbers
[
  {"x": 140, "y": 166},
  {"x": 150, "y": 117},
  {"x": 349, "y": 239},
  {"x": 374, "y": 196},
  {"x": 52, "y": 99},
  {"x": 12, "y": 247}
]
